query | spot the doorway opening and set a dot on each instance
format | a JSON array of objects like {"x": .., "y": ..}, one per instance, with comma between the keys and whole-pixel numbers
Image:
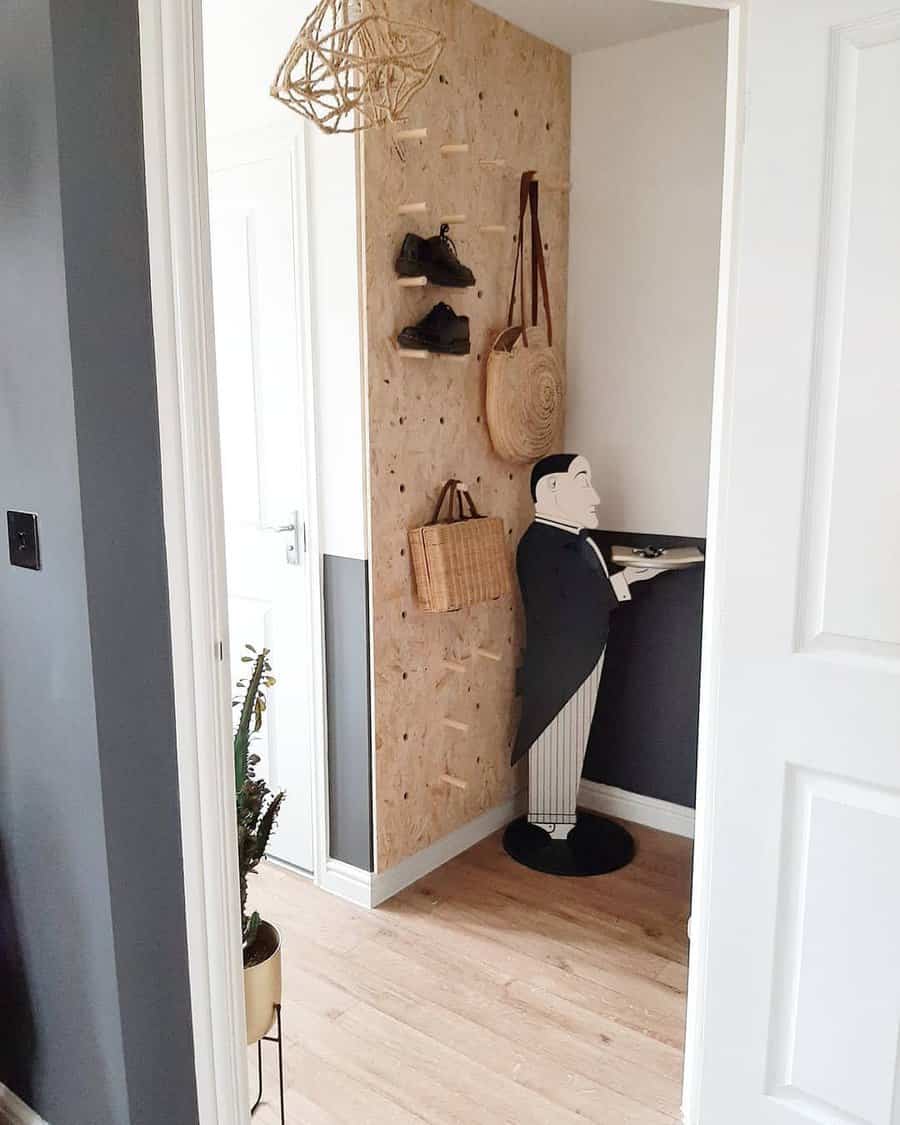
[
  {"x": 255, "y": 228},
  {"x": 468, "y": 954}
]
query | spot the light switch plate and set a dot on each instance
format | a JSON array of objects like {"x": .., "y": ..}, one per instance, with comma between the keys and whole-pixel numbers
[{"x": 24, "y": 546}]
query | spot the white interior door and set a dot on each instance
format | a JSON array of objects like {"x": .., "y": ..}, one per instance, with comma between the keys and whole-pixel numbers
[
  {"x": 796, "y": 971},
  {"x": 260, "y": 409}
]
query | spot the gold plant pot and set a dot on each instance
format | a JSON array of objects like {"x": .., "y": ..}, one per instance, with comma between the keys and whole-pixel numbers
[{"x": 262, "y": 982}]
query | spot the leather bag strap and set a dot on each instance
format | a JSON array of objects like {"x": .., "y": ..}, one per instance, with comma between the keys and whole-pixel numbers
[
  {"x": 464, "y": 494},
  {"x": 538, "y": 265},
  {"x": 520, "y": 257},
  {"x": 450, "y": 487},
  {"x": 528, "y": 197},
  {"x": 457, "y": 495}
]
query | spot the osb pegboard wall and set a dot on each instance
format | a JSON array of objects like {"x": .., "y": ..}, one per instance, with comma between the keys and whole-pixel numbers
[{"x": 506, "y": 94}]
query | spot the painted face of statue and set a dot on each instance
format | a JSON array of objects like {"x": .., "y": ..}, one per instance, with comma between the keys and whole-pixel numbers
[{"x": 569, "y": 497}]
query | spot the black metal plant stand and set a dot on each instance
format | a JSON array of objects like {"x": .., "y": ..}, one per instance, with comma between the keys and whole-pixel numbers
[{"x": 271, "y": 1039}]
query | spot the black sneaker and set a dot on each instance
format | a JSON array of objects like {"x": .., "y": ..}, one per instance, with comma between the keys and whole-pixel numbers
[
  {"x": 434, "y": 258},
  {"x": 441, "y": 331}
]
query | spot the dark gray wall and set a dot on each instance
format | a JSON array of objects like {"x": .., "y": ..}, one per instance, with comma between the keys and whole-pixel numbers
[
  {"x": 92, "y": 926},
  {"x": 346, "y": 595},
  {"x": 644, "y": 736}
]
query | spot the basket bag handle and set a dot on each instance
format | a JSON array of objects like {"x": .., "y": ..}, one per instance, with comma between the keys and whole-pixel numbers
[
  {"x": 457, "y": 492},
  {"x": 528, "y": 196}
]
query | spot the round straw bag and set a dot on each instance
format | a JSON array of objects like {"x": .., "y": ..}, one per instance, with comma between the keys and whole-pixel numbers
[{"x": 525, "y": 395}]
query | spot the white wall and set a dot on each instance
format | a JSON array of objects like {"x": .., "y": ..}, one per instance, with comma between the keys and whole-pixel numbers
[
  {"x": 243, "y": 47},
  {"x": 647, "y": 163}
]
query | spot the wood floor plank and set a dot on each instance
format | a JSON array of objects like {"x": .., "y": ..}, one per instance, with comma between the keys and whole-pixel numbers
[
  {"x": 647, "y": 1006},
  {"x": 485, "y": 994},
  {"x": 493, "y": 1023}
]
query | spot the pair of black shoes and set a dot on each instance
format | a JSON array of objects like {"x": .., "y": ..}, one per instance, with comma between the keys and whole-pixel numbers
[{"x": 441, "y": 331}]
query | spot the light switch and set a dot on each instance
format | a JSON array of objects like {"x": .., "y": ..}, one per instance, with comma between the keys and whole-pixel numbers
[{"x": 24, "y": 548}]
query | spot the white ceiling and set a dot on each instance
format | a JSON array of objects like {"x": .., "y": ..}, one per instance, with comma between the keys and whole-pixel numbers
[{"x": 585, "y": 25}]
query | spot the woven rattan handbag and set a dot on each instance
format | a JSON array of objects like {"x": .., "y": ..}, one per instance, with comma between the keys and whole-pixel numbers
[
  {"x": 459, "y": 560},
  {"x": 525, "y": 394}
]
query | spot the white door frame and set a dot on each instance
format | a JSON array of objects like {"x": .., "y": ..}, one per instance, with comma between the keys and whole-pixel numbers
[
  {"x": 181, "y": 287},
  {"x": 177, "y": 199}
]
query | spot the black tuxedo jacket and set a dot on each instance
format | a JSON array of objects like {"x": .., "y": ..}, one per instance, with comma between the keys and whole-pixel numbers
[{"x": 568, "y": 599}]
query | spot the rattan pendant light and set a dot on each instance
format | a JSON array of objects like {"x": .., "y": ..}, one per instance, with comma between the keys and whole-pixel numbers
[{"x": 352, "y": 67}]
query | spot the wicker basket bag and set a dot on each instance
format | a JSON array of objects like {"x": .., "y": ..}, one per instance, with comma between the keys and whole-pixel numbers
[
  {"x": 525, "y": 395},
  {"x": 460, "y": 560}
]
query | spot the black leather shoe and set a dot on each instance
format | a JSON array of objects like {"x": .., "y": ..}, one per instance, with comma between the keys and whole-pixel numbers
[
  {"x": 434, "y": 258},
  {"x": 441, "y": 331}
]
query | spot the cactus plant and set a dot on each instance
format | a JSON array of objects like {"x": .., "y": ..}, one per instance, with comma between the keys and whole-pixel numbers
[{"x": 257, "y": 807}]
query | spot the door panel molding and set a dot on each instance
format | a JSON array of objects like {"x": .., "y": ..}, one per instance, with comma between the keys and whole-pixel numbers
[
  {"x": 849, "y": 604},
  {"x": 840, "y": 835}
]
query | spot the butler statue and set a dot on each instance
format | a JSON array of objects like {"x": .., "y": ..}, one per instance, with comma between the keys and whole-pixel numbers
[{"x": 568, "y": 595}]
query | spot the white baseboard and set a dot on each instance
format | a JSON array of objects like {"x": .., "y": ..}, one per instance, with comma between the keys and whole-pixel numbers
[
  {"x": 348, "y": 882},
  {"x": 363, "y": 888},
  {"x": 388, "y": 883},
  {"x": 13, "y": 1111},
  {"x": 638, "y": 809}
]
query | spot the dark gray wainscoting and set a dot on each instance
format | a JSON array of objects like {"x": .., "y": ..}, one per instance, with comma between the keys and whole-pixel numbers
[
  {"x": 644, "y": 737},
  {"x": 346, "y": 593}
]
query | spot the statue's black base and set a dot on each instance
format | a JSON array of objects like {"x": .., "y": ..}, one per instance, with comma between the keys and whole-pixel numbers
[{"x": 595, "y": 846}]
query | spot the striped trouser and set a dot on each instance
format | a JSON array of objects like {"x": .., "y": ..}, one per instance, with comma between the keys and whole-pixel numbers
[{"x": 556, "y": 759}]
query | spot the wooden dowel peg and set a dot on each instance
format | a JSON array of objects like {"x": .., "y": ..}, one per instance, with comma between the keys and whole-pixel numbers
[
  {"x": 411, "y": 134},
  {"x": 411, "y": 353},
  {"x": 412, "y": 209},
  {"x": 456, "y": 782},
  {"x": 498, "y": 162},
  {"x": 454, "y": 666},
  {"x": 454, "y": 220},
  {"x": 454, "y": 724},
  {"x": 454, "y": 150},
  {"x": 411, "y": 282},
  {"x": 493, "y": 228},
  {"x": 486, "y": 654}
]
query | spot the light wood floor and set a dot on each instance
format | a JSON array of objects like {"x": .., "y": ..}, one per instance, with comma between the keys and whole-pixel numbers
[{"x": 484, "y": 994}]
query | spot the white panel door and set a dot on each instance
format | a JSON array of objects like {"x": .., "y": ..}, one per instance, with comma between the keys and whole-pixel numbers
[
  {"x": 261, "y": 422},
  {"x": 797, "y": 968}
]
